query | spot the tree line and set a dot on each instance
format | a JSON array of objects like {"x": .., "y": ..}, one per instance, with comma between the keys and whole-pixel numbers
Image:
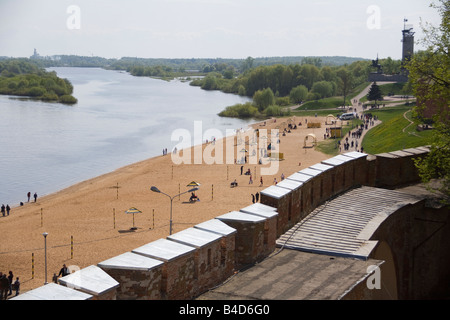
[
  {"x": 20, "y": 77},
  {"x": 281, "y": 85}
]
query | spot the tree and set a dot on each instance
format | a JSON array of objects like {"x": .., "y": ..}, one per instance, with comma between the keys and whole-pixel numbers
[
  {"x": 429, "y": 75},
  {"x": 247, "y": 64},
  {"x": 374, "y": 93},
  {"x": 345, "y": 81},
  {"x": 298, "y": 94},
  {"x": 229, "y": 73},
  {"x": 263, "y": 98},
  {"x": 308, "y": 75},
  {"x": 324, "y": 89}
]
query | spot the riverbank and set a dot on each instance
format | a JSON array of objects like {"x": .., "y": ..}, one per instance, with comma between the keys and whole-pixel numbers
[{"x": 92, "y": 213}]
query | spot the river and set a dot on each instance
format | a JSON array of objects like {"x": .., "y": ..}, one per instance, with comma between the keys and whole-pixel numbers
[{"x": 119, "y": 119}]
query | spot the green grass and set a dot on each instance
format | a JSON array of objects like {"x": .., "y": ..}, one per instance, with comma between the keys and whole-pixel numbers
[
  {"x": 394, "y": 88},
  {"x": 326, "y": 103},
  {"x": 390, "y": 134}
]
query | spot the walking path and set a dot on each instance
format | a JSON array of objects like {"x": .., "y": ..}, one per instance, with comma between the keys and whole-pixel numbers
[{"x": 358, "y": 109}]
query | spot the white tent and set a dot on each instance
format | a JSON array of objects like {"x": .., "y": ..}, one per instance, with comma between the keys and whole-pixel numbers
[{"x": 314, "y": 138}]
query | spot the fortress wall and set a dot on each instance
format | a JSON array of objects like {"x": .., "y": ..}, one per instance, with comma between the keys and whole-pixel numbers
[
  {"x": 397, "y": 168},
  {"x": 420, "y": 250},
  {"x": 280, "y": 198},
  {"x": 227, "y": 247},
  {"x": 182, "y": 266},
  {"x": 270, "y": 215},
  {"x": 94, "y": 281},
  {"x": 294, "y": 188},
  {"x": 207, "y": 265},
  {"x": 250, "y": 230},
  {"x": 178, "y": 271},
  {"x": 140, "y": 277}
]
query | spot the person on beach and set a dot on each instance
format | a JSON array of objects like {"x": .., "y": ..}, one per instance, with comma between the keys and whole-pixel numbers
[
  {"x": 4, "y": 286},
  {"x": 35, "y": 196},
  {"x": 3, "y": 210},
  {"x": 16, "y": 286},
  {"x": 8, "y": 209},
  {"x": 253, "y": 198},
  {"x": 29, "y": 196},
  {"x": 257, "y": 196},
  {"x": 64, "y": 271},
  {"x": 10, "y": 280}
]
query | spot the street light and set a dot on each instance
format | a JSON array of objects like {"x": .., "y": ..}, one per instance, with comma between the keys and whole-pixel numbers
[
  {"x": 45, "y": 234},
  {"x": 155, "y": 189}
]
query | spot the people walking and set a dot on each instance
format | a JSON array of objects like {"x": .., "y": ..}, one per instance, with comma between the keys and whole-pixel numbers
[
  {"x": 4, "y": 286},
  {"x": 10, "y": 280},
  {"x": 3, "y": 210},
  {"x": 35, "y": 196},
  {"x": 29, "y": 196},
  {"x": 16, "y": 286},
  {"x": 64, "y": 271},
  {"x": 8, "y": 209}
]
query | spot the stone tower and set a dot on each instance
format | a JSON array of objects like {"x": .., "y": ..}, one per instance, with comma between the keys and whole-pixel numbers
[{"x": 408, "y": 42}]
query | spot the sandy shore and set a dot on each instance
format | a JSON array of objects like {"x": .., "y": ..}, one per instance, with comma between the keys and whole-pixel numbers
[{"x": 93, "y": 212}]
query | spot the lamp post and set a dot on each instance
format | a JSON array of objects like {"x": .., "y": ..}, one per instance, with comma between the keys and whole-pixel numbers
[
  {"x": 155, "y": 189},
  {"x": 45, "y": 234}
]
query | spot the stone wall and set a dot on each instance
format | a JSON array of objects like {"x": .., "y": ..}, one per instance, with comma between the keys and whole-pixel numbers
[{"x": 185, "y": 264}]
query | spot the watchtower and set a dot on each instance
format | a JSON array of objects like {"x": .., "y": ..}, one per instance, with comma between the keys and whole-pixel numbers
[{"x": 408, "y": 42}]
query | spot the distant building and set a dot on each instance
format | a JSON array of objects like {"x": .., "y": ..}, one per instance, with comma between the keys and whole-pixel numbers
[
  {"x": 35, "y": 55},
  {"x": 407, "y": 53},
  {"x": 408, "y": 42}
]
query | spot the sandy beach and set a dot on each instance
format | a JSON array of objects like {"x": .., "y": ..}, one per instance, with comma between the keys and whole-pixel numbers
[{"x": 92, "y": 213}]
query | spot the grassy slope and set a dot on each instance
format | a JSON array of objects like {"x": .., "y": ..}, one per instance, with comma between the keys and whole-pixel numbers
[{"x": 389, "y": 135}]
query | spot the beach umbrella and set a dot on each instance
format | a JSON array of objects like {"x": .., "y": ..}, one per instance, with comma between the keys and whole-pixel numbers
[
  {"x": 133, "y": 211},
  {"x": 193, "y": 184}
]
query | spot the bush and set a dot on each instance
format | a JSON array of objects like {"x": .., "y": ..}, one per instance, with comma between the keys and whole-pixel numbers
[
  {"x": 298, "y": 94},
  {"x": 36, "y": 91},
  {"x": 264, "y": 98},
  {"x": 282, "y": 101},
  {"x": 49, "y": 97},
  {"x": 67, "y": 99},
  {"x": 246, "y": 110},
  {"x": 276, "y": 111}
]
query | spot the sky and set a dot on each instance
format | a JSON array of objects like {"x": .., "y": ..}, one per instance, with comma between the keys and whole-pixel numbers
[{"x": 210, "y": 28}]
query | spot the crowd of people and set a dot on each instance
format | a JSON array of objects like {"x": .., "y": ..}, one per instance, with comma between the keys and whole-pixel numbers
[
  {"x": 8, "y": 285},
  {"x": 353, "y": 139},
  {"x": 5, "y": 210}
]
